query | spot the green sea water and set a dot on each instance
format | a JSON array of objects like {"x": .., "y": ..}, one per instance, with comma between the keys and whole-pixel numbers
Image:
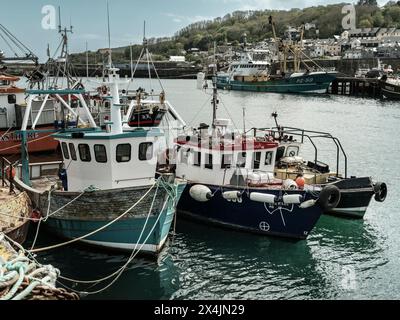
[{"x": 341, "y": 259}]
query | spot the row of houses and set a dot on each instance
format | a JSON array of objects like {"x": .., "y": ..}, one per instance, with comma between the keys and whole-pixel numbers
[{"x": 357, "y": 43}]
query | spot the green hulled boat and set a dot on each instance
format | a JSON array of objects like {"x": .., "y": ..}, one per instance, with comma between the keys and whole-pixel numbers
[{"x": 313, "y": 82}]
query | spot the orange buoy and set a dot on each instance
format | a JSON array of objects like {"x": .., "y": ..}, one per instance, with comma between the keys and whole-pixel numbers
[{"x": 300, "y": 182}]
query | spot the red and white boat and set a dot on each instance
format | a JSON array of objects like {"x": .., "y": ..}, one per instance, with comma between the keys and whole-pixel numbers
[{"x": 12, "y": 109}]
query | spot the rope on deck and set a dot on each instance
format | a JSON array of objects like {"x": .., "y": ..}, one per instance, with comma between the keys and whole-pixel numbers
[{"x": 22, "y": 278}]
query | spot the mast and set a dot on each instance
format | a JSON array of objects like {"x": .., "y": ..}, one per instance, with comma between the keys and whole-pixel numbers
[
  {"x": 215, "y": 91},
  {"x": 109, "y": 37},
  {"x": 272, "y": 23},
  {"x": 65, "y": 50},
  {"x": 130, "y": 47},
  {"x": 87, "y": 61},
  {"x": 64, "y": 57}
]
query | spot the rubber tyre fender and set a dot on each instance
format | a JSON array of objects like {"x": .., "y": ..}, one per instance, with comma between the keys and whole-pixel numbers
[
  {"x": 380, "y": 189},
  {"x": 329, "y": 197}
]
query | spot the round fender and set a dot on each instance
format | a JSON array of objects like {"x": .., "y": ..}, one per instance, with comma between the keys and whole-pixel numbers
[
  {"x": 329, "y": 197},
  {"x": 200, "y": 193},
  {"x": 380, "y": 189}
]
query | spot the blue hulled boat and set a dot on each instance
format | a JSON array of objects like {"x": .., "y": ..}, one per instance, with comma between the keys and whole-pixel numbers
[{"x": 231, "y": 183}]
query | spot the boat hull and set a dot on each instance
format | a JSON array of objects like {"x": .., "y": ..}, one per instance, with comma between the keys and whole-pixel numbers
[
  {"x": 390, "y": 91},
  {"x": 96, "y": 209},
  {"x": 10, "y": 142},
  {"x": 252, "y": 216},
  {"x": 314, "y": 83},
  {"x": 355, "y": 197},
  {"x": 16, "y": 210}
]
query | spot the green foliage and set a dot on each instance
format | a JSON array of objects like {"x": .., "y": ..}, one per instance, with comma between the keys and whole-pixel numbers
[{"x": 367, "y": 3}]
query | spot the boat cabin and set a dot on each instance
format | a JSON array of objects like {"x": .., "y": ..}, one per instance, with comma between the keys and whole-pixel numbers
[
  {"x": 10, "y": 97},
  {"x": 219, "y": 160},
  {"x": 102, "y": 160}
]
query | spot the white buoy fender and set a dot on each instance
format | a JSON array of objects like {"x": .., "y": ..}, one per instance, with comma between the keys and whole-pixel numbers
[
  {"x": 232, "y": 195},
  {"x": 200, "y": 193},
  {"x": 262, "y": 197},
  {"x": 200, "y": 80},
  {"x": 292, "y": 198},
  {"x": 307, "y": 204},
  {"x": 289, "y": 184}
]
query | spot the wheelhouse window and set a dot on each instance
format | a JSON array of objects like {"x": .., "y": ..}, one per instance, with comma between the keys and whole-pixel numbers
[
  {"x": 226, "y": 161},
  {"x": 256, "y": 160},
  {"x": 124, "y": 152},
  {"x": 241, "y": 160},
  {"x": 292, "y": 151},
  {"x": 72, "y": 151},
  {"x": 64, "y": 148},
  {"x": 184, "y": 155},
  {"x": 209, "y": 161},
  {"x": 196, "y": 158},
  {"x": 279, "y": 153},
  {"x": 12, "y": 98},
  {"x": 145, "y": 151},
  {"x": 268, "y": 158},
  {"x": 84, "y": 153},
  {"x": 100, "y": 153}
]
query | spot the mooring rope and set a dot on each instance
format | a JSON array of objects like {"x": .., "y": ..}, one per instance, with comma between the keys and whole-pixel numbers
[
  {"x": 95, "y": 231},
  {"x": 27, "y": 276}
]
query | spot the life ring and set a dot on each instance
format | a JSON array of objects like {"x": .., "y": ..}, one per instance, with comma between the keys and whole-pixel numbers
[
  {"x": 380, "y": 189},
  {"x": 329, "y": 197},
  {"x": 10, "y": 174}
]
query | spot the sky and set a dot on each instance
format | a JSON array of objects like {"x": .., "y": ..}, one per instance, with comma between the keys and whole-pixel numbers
[{"x": 89, "y": 19}]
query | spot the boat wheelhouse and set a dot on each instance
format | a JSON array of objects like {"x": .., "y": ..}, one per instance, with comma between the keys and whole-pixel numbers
[{"x": 106, "y": 192}]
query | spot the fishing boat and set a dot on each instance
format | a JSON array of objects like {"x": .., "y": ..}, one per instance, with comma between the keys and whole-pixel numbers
[
  {"x": 254, "y": 74},
  {"x": 12, "y": 109},
  {"x": 106, "y": 192},
  {"x": 390, "y": 87},
  {"x": 231, "y": 183},
  {"x": 54, "y": 112},
  {"x": 356, "y": 193}
]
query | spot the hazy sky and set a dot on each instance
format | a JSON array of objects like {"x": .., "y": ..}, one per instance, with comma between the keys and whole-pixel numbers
[{"x": 163, "y": 17}]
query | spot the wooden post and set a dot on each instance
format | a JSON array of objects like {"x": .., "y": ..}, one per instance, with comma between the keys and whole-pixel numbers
[
  {"x": 11, "y": 179},
  {"x": 3, "y": 181}
]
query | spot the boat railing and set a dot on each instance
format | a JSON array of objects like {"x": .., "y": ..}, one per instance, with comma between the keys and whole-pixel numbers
[
  {"x": 7, "y": 169},
  {"x": 309, "y": 135},
  {"x": 40, "y": 169}
]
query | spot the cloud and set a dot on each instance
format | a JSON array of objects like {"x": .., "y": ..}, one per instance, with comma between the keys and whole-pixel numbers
[
  {"x": 89, "y": 36},
  {"x": 187, "y": 19},
  {"x": 287, "y": 4}
]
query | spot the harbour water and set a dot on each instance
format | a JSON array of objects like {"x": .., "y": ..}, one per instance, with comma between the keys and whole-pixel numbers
[{"x": 341, "y": 259}]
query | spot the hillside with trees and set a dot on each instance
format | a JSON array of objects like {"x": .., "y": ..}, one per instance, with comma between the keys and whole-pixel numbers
[{"x": 231, "y": 27}]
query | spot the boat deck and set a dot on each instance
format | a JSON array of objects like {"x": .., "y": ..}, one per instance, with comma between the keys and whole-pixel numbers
[
  {"x": 14, "y": 208},
  {"x": 45, "y": 183}
]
